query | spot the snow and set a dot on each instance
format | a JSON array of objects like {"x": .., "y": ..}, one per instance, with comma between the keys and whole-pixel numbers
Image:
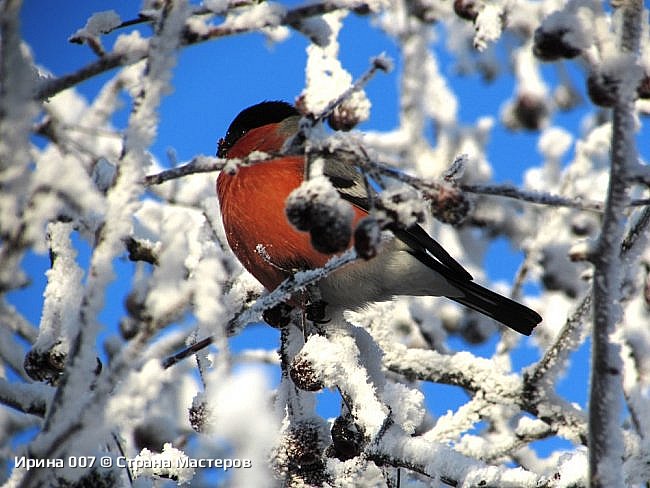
[
  {"x": 400, "y": 205},
  {"x": 99, "y": 23},
  {"x": 131, "y": 45},
  {"x": 488, "y": 25},
  {"x": 71, "y": 189},
  {"x": 554, "y": 142},
  {"x": 325, "y": 77},
  {"x": 216, "y": 6},
  {"x": 353, "y": 472},
  {"x": 260, "y": 15},
  {"x": 573, "y": 469},
  {"x": 169, "y": 463},
  {"x": 141, "y": 387},
  {"x": 243, "y": 417},
  {"x": 317, "y": 202},
  {"x": 337, "y": 361},
  {"x": 63, "y": 292},
  {"x": 18, "y": 111}
]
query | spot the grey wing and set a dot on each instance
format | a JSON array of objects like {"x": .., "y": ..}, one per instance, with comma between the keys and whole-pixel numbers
[{"x": 347, "y": 179}]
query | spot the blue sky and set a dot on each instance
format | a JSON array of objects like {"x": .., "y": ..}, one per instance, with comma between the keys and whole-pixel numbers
[{"x": 215, "y": 80}]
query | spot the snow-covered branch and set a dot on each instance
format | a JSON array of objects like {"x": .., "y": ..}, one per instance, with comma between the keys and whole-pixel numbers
[
  {"x": 605, "y": 438},
  {"x": 269, "y": 15}
]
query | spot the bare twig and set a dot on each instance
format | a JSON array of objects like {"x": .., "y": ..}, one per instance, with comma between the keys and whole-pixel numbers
[{"x": 508, "y": 191}]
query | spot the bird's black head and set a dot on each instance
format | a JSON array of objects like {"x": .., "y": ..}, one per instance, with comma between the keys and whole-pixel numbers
[{"x": 259, "y": 115}]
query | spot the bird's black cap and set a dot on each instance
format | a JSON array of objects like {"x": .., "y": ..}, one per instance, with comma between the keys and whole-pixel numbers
[{"x": 264, "y": 113}]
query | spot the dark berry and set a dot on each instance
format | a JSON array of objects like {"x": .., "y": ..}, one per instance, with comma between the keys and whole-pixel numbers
[
  {"x": 530, "y": 111},
  {"x": 449, "y": 205},
  {"x": 601, "y": 88},
  {"x": 466, "y": 9},
  {"x": 367, "y": 237},
  {"x": 553, "y": 45},
  {"x": 278, "y": 316},
  {"x": 346, "y": 439},
  {"x": 304, "y": 376},
  {"x": 331, "y": 236}
]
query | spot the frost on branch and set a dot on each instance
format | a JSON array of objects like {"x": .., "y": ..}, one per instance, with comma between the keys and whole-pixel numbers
[
  {"x": 326, "y": 79},
  {"x": 137, "y": 266}
]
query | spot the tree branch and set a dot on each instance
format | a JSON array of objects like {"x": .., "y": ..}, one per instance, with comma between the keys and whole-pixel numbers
[
  {"x": 605, "y": 435},
  {"x": 28, "y": 398},
  {"x": 114, "y": 59}
]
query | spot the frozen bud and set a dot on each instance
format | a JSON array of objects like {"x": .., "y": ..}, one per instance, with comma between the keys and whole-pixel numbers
[
  {"x": 601, "y": 88},
  {"x": 350, "y": 112},
  {"x": 343, "y": 118},
  {"x": 45, "y": 365},
  {"x": 449, "y": 205},
  {"x": 304, "y": 376},
  {"x": 530, "y": 111},
  {"x": 566, "y": 97},
  {"x": 300, "y": 449},
  {"x": 278, "y": 316},
  {"x": 551, "y": 44},
  {"x": 367, "y": 237},
  {"x": 200, "y": 414},
  {"x": 346, "y": 439},
  {"x": 466, "y": 9}
]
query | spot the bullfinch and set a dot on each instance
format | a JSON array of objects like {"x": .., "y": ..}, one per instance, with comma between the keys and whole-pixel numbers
[{"x": 253, "y": 209}]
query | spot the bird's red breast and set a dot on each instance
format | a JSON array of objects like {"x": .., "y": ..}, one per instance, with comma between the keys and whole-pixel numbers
[{"x": 252, "y": 204}]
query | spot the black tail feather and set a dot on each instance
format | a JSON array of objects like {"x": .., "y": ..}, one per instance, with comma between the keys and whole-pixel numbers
[{"x": 502, "y": 309}]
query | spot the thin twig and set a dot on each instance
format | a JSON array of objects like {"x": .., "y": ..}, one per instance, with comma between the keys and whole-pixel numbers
[
  {"x": 380, "y": 62},
  {"x": 508, "y": 191},
  {"x": 112, "y": 60},
  {"x": 285, "y": 289}
]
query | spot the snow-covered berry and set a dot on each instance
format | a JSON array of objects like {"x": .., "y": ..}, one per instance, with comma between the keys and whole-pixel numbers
[
  {"x": 554, "y": 44},
  {"x": 304, "y": 376},
  {"x": 367, "y": 237}
]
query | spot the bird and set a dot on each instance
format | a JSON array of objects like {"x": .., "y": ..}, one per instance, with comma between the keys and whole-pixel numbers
[{"x": 252, "y": 199}]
